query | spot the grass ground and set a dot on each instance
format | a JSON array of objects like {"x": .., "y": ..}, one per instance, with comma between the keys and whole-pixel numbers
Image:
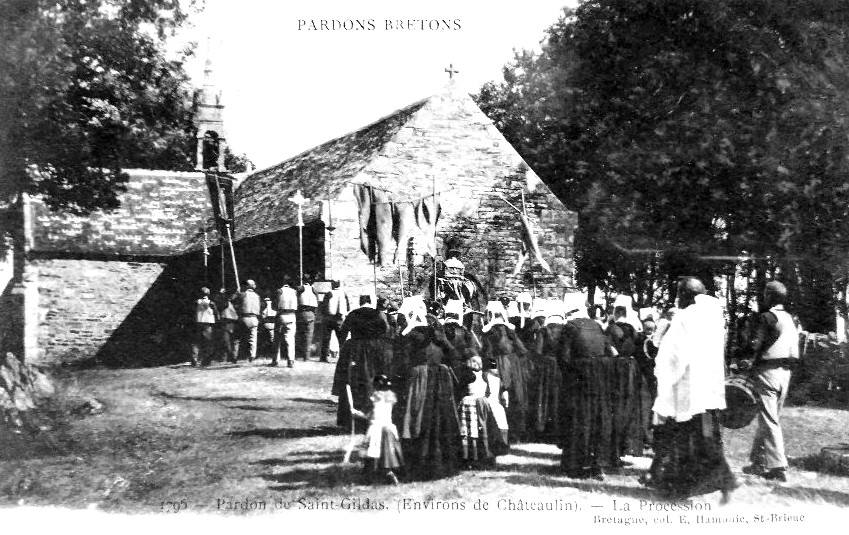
[{"x": 214, "y": 439}]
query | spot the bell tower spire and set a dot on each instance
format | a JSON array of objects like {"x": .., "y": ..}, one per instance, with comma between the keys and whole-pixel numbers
[{"x": 209, "y": 121}]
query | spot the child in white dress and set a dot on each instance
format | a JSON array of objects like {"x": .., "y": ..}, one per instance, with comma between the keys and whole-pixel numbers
[
  {"x": 383, "y": 447},
  {"x": 483, "y": 423},
  {"x": 497, "y": 398}
]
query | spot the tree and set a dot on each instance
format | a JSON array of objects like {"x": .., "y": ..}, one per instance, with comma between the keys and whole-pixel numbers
[
  {"x": 88, "y": 88},
  {"x": 237, "y": 163},
  {"x": 701, "y": 130}
]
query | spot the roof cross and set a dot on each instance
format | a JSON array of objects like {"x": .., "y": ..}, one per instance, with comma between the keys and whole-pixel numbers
[{"x": 451, "y": 72}]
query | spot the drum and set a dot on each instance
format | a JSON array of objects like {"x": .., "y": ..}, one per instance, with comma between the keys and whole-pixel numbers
[{"x": 741, "y": 402}]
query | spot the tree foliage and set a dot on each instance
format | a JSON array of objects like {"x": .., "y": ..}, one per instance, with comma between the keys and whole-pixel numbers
[
  {"x": 237, "y": 163},
  {"x": 700, "y": 130},
  {"x": 87, "y": 88}
]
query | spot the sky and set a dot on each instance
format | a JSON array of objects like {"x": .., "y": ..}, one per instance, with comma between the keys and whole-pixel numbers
[{"x": 287, "y": 87}]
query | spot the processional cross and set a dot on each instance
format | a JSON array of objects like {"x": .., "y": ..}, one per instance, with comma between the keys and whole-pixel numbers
[{"x": 299, "y": 199}]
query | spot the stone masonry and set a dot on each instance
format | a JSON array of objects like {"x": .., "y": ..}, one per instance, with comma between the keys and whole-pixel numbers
[
  {"x": 83, "y": 302},
  {"x": 450, "y": 140}
]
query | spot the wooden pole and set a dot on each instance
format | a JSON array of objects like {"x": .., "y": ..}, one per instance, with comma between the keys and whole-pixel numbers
[
  {"x": 301, "y": 253},
  {"x": 330, "y": 229},
  {"x": 374, "y": 277},
  {"x": 223, "y": 266},
  {"x": 217, "y": 201},
  {"x": 433, "y": 192},
  {"x": 233, "y": 256},
  {"x": 299, "y": 200},
  {"x": 205, "y": 259},
  {"x": 223, "y": 253}
]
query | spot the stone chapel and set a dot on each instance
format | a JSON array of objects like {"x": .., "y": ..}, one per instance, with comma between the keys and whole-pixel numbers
[{"x": 116, "y": 287}]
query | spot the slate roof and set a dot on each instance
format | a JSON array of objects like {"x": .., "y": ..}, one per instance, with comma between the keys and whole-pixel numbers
[
  {"x": 261, "y": 202},
  {"x": 159, "y": 213}
]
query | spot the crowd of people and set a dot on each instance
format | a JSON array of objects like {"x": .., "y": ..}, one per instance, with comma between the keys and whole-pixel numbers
[
  {"x": 434, "y": 396},
  {"x": 234, "y": 326}
]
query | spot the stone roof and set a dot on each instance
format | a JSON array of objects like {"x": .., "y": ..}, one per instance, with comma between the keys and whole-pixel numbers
[
  {"x": 262, "y": 203},
  {"x": 159, "y": 213},
  {"x": 389, "y": 154}
]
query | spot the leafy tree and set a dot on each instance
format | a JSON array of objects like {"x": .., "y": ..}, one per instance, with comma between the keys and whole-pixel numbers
[
  {"x": 702, "y": 130},
  {"x": 88, "y": 88},
  {"x": 237, "y": 163}
]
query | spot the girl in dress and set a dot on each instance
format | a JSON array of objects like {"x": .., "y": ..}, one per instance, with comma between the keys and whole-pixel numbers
[
  {"x": 497, "y": 398},
  {"x": 481, "y": 435},
  {"x": 383, "y": 453},
  {"x": 473, "y": 430}
]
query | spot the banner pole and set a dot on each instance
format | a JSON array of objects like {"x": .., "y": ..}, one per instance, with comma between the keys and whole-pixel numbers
[
  {"x": 433, "y": 192},
  {"x": 233, "y": 256}
]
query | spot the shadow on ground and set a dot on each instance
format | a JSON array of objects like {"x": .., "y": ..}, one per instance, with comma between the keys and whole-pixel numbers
[
  {"x": 204, "y": 398},
  {"x": 807, "y": 493},
  {"x": 323, "y": 457},
  {"x": 310, "y": 478},
  {"x": 260, "y": 408},
  {"x": 815, "y": 462},
  {"x": 328, "y": 402},
  {"x": 288, "y": 432}
]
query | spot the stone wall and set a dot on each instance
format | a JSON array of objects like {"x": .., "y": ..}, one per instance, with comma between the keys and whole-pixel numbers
[
  {"x": 83, "y": 303},
  {"x": 108, "y": 309},
  {"x": 452, "y": 143}
]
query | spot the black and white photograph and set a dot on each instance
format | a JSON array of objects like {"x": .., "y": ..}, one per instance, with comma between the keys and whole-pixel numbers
[{"x": 411, "y": 266}]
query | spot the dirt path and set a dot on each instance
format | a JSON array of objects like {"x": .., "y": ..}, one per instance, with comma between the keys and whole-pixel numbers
[{"x": 226, "y": 437}]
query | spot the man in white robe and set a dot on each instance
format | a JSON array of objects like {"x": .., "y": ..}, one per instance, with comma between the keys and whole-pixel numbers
[{"x": 690, "y": 371}]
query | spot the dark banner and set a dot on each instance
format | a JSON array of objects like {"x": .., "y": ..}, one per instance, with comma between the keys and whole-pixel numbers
[{"x": 221, "y": 193}]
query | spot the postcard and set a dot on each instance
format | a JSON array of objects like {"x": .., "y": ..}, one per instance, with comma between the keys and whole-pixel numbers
[{"x": 342, "y": 285}]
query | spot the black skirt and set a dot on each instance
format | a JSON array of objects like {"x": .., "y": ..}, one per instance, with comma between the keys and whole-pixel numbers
[{"x": 690, "y": 458}]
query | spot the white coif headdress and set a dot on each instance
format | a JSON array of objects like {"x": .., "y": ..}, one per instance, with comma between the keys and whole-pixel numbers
[
  {"x": 414, "y": 310},
  {"x": 575, "y": 304},
  {"x": 556, "y": 312},
  {"x": 453, "y": 311},
  {"x": 495, "y": 315},
  {"x": 627, "y": 302}
]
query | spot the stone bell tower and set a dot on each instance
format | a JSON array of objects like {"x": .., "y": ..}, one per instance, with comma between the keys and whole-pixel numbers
[{"x": 209, "y": 121}]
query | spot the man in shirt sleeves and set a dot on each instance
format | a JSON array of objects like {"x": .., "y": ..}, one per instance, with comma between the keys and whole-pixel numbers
[
  {"x": 690, "y": 370},
  {"x": 335, "y": 310},
  {"x": 202, "y": 341},
  {"x": 287, "y": 305},
  {"x": 305, "y": 320},
  {"x": 248, "y": 306},
  {"x": 775, "y": 346}
]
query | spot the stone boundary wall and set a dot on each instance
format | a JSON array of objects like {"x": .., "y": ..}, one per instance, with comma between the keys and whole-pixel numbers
[{"x": 82, "y": 303}]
